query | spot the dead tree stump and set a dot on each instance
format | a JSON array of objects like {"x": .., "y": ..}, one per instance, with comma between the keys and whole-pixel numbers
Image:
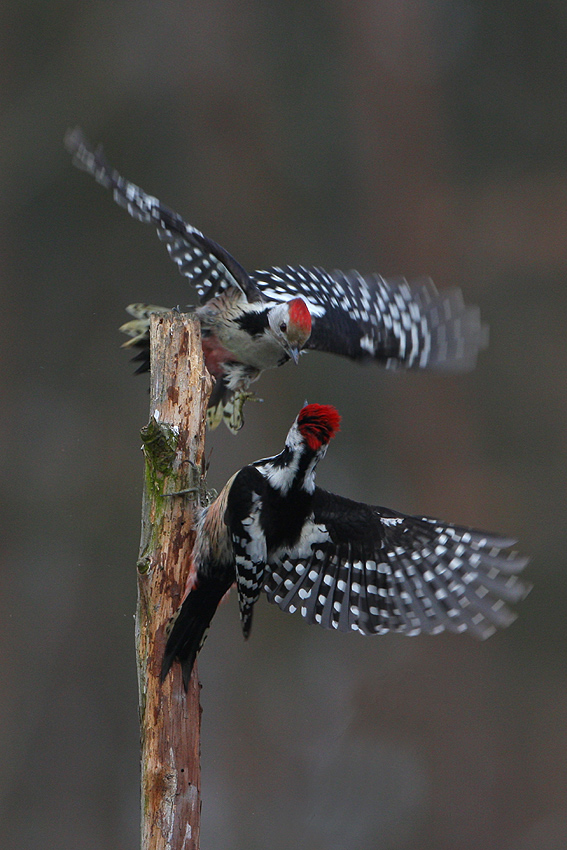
[{"x": 173, "y": 444}]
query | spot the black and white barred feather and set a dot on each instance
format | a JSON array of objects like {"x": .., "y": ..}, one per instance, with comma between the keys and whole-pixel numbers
[
  {"x": 395, "y": 573},
  {"x": 208, "y": 266},
  {"x": 397, "y": 323},
  {"x": 340, "y": 564}
]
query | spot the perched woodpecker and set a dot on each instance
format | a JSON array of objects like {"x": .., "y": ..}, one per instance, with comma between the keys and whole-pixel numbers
[
  {"x": 259, "y": 320},
  {"x": 340, "y": 563}
]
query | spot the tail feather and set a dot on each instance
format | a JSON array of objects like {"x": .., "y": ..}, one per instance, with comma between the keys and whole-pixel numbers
[
  {"x": 189, "y": 629},
  {"x": 138, "y": 329}
]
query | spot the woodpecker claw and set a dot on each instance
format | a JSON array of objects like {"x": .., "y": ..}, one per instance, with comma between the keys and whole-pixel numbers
[{"x": 184, "y": 492}]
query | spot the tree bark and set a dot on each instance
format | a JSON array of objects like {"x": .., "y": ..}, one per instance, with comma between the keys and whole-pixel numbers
[{"x": 173, "y": 445}]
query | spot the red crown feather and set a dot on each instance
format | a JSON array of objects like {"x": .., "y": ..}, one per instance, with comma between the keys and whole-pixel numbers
[{"x": 317, "y": 423}]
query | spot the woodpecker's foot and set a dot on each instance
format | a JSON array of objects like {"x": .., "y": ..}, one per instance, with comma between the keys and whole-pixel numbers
[
  {"x": 252, "y": 397},
  {"x": 233, "y": 414},
  {"x": 202, "y": 494},
  {"x": 198, "y": 489}
]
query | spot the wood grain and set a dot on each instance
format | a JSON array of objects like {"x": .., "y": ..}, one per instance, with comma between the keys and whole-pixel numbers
[{"x": 173, "y": 444}]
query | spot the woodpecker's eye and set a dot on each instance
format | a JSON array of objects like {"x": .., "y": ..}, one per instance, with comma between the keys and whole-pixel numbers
[{"x": 283, "y": 327}]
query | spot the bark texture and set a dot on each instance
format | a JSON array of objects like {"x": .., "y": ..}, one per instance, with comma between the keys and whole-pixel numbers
[{"x": 173, "y": 445}]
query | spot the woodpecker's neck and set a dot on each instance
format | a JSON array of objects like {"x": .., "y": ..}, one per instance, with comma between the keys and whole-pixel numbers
[{"x": 294, "y": 467}]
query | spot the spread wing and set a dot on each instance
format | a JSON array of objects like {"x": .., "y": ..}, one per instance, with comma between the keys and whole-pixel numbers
[
  {"x": 372, "y": 570},
  {"x": 208, "y": 267},
  {"x": 399, "y": 324}
]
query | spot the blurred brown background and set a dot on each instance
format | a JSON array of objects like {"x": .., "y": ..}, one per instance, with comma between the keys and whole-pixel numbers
[{"x": 392, "y": 136}]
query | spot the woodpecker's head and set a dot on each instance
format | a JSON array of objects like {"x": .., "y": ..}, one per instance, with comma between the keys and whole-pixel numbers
[
  {"x": 290, "y": 323},
  {"x": 306, "y": 443}
]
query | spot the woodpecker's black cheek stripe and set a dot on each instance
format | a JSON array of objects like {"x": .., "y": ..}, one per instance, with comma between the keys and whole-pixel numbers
[{"x": 254, "y": 323}]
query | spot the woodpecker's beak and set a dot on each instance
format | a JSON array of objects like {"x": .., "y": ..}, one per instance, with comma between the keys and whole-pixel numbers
[{"x": 294, "y": 354}]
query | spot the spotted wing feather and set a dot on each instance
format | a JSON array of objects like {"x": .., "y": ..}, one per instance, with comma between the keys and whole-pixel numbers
[
  {"x": 206, "y": 264},
  {"x": 400, "y": 324},
  {"x": 368, "y": 569}
]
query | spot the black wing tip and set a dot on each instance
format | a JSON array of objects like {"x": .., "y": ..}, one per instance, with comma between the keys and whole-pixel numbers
[
  {"x": 91, "y": 159},
  {"x": 77, "y": 144},
  {"x": 73, "y": 138},
  {"x": 458, "y": 332}
]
